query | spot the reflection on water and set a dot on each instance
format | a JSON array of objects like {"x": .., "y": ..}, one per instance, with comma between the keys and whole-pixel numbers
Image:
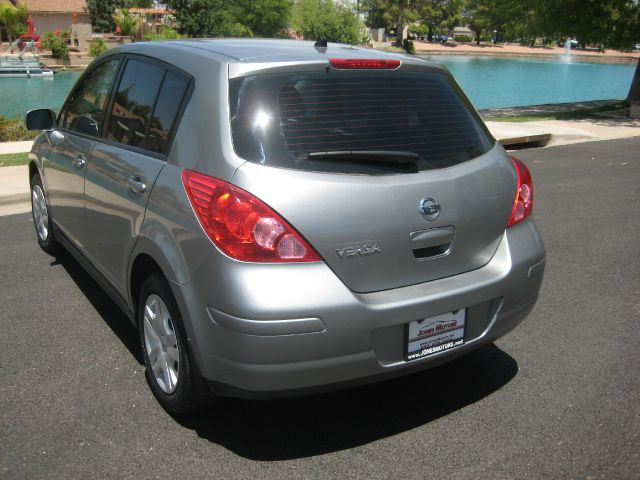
[
  {"x": 19, "y": 95},
  {"x": 507, "y": 82}
]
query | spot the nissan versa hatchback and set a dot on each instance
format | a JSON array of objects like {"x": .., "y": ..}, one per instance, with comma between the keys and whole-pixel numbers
[{"x": 282, "y": 217}]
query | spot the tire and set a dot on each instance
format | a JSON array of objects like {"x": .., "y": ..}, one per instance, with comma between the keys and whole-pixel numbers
[
  {"x": 170, "y": 370},
  {"x": 42, "y": 217}
]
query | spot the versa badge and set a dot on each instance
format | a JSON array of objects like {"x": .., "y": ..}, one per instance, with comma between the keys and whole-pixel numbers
[{"x": 364, "y": 250}]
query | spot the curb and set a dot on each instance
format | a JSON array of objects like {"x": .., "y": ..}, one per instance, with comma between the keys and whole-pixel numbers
[
  {"x": 15, "y": 147},
  {"x": 15, "y": 199},
  {"x": 14, "y": 209},
  {"x": 528, "y": 141}
]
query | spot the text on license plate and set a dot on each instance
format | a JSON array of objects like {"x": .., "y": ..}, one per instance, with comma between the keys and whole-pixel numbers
[{"x": 435, "y": 334}]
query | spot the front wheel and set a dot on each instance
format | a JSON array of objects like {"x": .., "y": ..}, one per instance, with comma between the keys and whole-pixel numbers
[
  {"x": 41, "y": 216},
  {"x": 170, "y": 371}
]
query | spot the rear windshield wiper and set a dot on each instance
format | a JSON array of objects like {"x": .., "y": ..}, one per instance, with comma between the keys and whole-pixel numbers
[{"x": 370, "y": 156}]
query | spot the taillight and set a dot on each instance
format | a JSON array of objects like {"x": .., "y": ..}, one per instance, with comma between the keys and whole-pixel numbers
[
  {"x": 361, "y": 63},
  {"x": 523, "y": 203},
  {"x": 243, "y": 226}
]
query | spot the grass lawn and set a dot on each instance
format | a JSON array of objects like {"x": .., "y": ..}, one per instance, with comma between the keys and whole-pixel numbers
[{"x": 13, "y": 159}]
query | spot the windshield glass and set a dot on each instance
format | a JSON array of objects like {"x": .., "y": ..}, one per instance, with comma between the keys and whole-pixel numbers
[{"x": 280, "y": 119}]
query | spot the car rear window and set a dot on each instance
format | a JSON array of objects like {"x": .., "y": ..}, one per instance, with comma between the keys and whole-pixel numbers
[{"x": 280, "y": 119}]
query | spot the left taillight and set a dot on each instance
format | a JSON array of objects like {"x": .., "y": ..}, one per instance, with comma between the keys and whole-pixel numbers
[
  {"x": 523, "y": 203},
  {"x": 241, "y": 225}
]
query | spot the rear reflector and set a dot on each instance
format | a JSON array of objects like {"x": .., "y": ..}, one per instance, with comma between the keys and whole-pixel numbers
[
  {"x": 359, "y": 63},
  {"x": 523, "y": 203},
  {"x": 241, "y": 225}
]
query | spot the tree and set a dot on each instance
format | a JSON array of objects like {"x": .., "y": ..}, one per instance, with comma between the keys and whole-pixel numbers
[
  {"x": 436, "y": 13},
  {"x": 13, "y": 17},
  {"x": 264, "y": 18},
  {"x": 139, "y": 4},
  {"x": 128, "y": 23},
  {"x": 490, "y": 15},
  {"x": 392, "y": 14},
  {"x": 336, "y": 22},
  {"x": 220, "y": 18},
  {"x": 101, "y": 13},
  {"x": 207, "y": 18}
]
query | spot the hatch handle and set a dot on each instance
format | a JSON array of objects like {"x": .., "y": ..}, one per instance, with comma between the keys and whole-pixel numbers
[{"x": 431, "y": 243}]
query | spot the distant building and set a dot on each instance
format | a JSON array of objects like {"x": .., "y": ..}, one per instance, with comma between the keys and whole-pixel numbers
[
  {"x": 52, "y": 15},
  {"x": 464, "y": 30},
  {"x": 152, "y": 16}
]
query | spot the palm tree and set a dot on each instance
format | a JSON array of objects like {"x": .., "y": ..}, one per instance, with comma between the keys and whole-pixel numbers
[{"x": 13, "y": 17}]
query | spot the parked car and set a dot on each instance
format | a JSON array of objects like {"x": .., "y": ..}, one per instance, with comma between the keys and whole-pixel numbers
[{"x": 277, "y": 216}]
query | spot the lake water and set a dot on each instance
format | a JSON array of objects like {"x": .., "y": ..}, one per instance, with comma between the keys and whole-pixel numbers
[
  {"x": 506, "y": 82},
  {"x": 19, "y": 95},
  {"x": 489, "y": 83}
]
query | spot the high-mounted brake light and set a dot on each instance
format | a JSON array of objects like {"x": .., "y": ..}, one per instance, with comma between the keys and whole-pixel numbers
[
  {"x": 523, "y": 203},
  {"x": 360, "y": 63},
  {"x": 241, "y": 225}
]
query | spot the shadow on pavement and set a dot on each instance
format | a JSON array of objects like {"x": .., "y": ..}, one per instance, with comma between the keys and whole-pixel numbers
[
  {"x": 115, "y": 319},
  {"x": 315, "y": 425},
  {"x": 302, "y": 427}
]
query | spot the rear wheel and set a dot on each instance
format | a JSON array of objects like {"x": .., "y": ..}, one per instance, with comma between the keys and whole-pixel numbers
[
  {"x": 170, "y": 370},
  {"x": 41, "y": 216}
]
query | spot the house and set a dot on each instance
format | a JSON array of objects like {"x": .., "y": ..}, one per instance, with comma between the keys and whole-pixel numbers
[
  {"x": 52, "y": 15},
  {"x": 153, "y": 17}
]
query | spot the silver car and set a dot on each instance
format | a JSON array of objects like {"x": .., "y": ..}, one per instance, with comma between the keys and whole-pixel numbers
[{"x": 282, "y": 217}]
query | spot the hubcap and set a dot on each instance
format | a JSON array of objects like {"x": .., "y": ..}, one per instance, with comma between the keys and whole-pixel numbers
[
  {"x": 40, "y": 213},
  {"x": 161, "y": 344}
]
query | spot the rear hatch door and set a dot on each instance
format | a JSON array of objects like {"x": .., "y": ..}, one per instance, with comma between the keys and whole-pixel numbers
[{"x": 430, "y": 200}]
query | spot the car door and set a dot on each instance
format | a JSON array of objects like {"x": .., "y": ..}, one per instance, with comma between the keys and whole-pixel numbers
[
  {"x": 126, "y": 163},
  {"x": 80, "y": 125}
]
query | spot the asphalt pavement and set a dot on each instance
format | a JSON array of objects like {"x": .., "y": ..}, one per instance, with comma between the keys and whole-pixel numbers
[{"x": 558, "y": 398}]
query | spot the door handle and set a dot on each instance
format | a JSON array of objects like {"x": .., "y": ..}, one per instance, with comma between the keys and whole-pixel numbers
[
  {"x": 136, "y": 185},
  {"x": 79, "y": 162}
]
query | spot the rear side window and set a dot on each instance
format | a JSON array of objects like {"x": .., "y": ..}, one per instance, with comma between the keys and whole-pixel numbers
[
  {"x": 134, "y": 103},
  {"x": 146, "y": 105},
  {"x": 172, "y": 92},
  {"x": 85, "y": 111},
  {"x": 280, "y": 119}
]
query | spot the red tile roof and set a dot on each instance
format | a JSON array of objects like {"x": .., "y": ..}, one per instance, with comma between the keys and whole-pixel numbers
[
  {"x": 151, "y": 11},
  {"x": 58, "y": 6}
]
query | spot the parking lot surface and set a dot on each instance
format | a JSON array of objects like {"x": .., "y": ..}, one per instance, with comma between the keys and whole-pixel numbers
[{"x": 557, "y": 398}]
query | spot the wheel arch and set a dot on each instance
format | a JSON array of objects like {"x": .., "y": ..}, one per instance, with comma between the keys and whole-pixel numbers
[
  {"x": 33, "y": 170},
  {"x": 142, "y": 267}
]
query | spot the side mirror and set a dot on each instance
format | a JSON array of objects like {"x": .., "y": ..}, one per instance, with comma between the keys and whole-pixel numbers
[{"x": 41, "y": 119}]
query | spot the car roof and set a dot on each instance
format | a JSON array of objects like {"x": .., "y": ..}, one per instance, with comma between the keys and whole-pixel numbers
[
  {"x": 243, "y": 49},
  {"x": 249, "y": 48},
  {"x": 247, "y": 55}
]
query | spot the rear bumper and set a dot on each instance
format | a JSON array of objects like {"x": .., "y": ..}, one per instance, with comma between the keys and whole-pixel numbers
[{"x": 277, "y": 330}]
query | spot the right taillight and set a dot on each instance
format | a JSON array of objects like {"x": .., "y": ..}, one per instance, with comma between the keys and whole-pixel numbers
[
  {"x": 523, "y": 203},
  {"x": 241, "y": 225}
]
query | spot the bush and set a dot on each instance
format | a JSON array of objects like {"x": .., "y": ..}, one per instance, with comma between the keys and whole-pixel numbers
[
  {"x": 128, "y": 23},
  {"x": 408, "y": 46},
  {"x": 462, "y": 38},
  {"x": 13, "y": 129},
  {"x": 57, "y": 45},
  {"x": 334, "y": 21},
  {"x": 166, "y": 34},
  {"x": 97, "y": 47},
  {"x": 419, "y": 31}
]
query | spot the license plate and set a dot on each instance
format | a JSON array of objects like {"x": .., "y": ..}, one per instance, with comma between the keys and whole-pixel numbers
[{"x": 435, "y": 334}]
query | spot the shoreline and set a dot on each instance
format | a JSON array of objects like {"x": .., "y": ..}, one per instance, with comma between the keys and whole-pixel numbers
[{"x": 516, "y": 51}]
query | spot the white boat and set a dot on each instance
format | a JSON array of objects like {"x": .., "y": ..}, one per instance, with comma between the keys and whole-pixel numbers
[{"x": 25, "y": 64}]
